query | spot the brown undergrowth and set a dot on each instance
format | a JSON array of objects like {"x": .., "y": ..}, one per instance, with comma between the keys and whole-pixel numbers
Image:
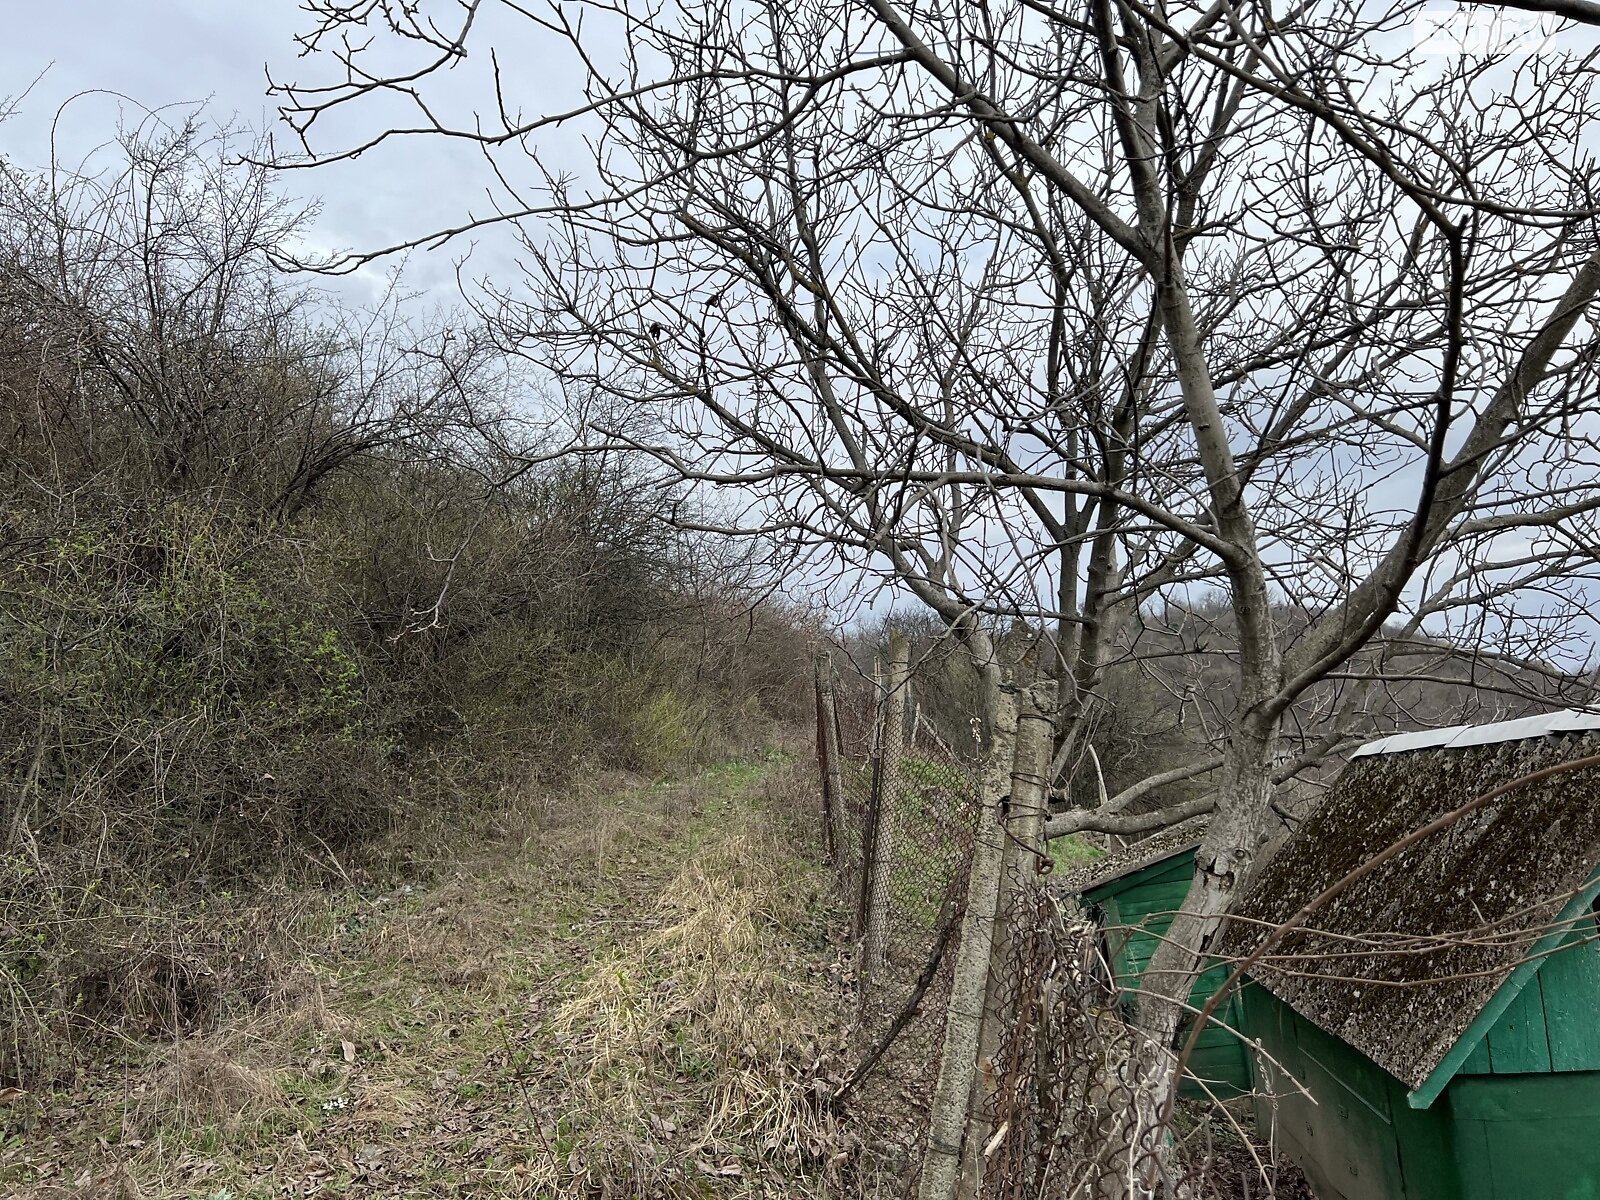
[{"x": 644, "y": 1000}]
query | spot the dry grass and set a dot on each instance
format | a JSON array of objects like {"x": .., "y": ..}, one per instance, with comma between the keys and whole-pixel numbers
[
  {"x": 195, "y": 1083},
  {"x": 638, "y": 1001},
  {"x": 84, "y": 971},
  {"x": 701, "y": 1045}
]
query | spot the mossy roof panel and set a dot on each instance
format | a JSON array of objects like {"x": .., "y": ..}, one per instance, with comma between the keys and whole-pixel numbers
[
  {"x": 1132, "y": 859},
  {"x": 1401, "y": 963}
]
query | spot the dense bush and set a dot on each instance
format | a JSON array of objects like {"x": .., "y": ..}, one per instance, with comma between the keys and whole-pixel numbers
[{"x": 284, "y": 596}]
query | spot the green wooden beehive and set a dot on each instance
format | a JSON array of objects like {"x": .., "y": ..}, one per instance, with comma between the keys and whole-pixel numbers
[
  {"x": 1436, "y": 1034},
  {"x": 1133, "y": 895}
]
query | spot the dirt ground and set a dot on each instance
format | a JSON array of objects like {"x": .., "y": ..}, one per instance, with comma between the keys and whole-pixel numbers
[
  {"x": 647, "y": 996},
  {"x": 1232, "y": 1162},
  {"x": 644, "y": 1000}
]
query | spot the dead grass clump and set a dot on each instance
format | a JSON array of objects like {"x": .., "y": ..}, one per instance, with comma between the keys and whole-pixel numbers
[
  {"x": 697, "y": 1050},
  {"x": 92, "y": 966},
  {"x": 310, "y": 1017},
  {"x": 197, "y": 1082},
  {"x": 792, "y": 794},
  {"x": 591, "y": 835},
  {"x": 453, "y": 941}
]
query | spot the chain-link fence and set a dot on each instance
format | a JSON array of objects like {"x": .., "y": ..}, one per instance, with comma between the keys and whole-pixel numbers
[
  {"x": 902, "y": 804},
  {"x": 1076, "y": 1100},
  {"x": 1070, "y": 1094}
]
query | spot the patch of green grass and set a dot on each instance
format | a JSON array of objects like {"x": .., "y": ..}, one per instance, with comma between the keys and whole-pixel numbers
[
  {"x": 1073, "y": 851},
  {"x": 734, "y": 777},
  {"x": 314, "y": 1094}
]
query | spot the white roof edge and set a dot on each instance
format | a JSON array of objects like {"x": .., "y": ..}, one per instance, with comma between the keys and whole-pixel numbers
[{"x": 1568, "y": 720}]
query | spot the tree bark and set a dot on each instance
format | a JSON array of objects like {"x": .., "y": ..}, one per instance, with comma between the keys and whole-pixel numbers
[
  {"x": 958, "y": 1063},
  {"x": 1222, "y": 866}
]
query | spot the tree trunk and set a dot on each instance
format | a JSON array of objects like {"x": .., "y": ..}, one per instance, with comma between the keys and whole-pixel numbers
[
  {"x": 1222, "y": 868},
  {"x": 891, "y": 751},
  {"x": 958, "y": 1063},
  {"x": 1023, "y": 834}
]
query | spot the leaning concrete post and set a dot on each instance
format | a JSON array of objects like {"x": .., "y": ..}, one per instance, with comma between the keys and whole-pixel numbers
[
  {"x": 958, "y": 1063},
  {"x": 891, "y": 752},
  {"x": 828, "y": 754},
  {"x": 1024, "y": 854}
]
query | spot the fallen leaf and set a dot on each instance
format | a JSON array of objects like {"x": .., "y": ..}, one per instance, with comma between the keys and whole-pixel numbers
[{"x": 349, "y": 1050}]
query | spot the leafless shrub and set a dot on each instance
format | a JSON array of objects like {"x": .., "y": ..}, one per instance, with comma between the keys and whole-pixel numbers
[{"x": 289, "y": 596}]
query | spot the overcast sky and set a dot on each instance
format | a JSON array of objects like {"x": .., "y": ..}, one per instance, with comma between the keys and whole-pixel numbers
[
  {"x": 154, "y": 52},
  {"x": 90, "y": 61},
  {"x": 121, "y": 57}
]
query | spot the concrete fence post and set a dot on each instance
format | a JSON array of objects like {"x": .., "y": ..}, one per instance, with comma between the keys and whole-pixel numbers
[
  {"x": 828, "y": 766},
  {"x": 886, "y": 801},
  {"x": 958, "y": 1062}
]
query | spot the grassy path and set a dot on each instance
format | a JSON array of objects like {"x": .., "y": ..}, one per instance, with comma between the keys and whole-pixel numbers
[{"x": 640, "y": 1003}]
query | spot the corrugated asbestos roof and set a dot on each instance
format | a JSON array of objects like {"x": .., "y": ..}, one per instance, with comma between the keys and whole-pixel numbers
[
  {"x": 1498, "y": 876},
  {"x": 1181, "y": 837},
  {"x": 1458, "y": 736}
]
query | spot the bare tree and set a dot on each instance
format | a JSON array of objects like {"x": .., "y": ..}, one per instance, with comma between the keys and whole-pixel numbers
[
  {"x": 1257, "y": 340},
  {"x": 193, "y": 363},
  {"x": 1585, "y": 11}
]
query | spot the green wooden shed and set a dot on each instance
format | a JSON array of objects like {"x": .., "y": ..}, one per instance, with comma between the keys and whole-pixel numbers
[
  {"x": 1443, "y": 1015},
  {"x": 1133, "y": 895}
]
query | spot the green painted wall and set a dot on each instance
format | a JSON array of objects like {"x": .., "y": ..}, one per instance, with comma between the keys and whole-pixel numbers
[
  {"x": 1551, "y": 1025},
  {"x": 1358, "y": 1139},
  {"x": 1521, "y": 1137},
  {"x": 1138, "y": 909},
  {"x": 1492, "y": 1136},
  {"x": 1526, "y": 1102},
  {"x": 1520, "y": 1121}
]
